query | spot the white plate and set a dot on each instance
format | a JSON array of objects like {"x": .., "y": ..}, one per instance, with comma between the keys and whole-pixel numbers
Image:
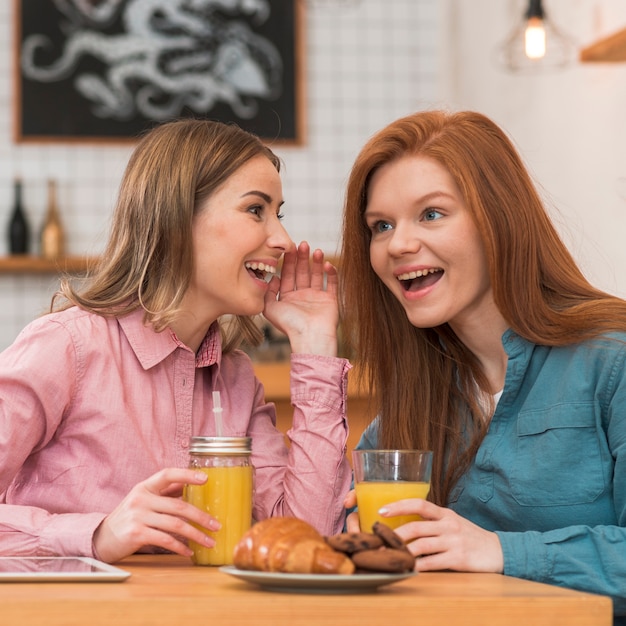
[
  {"x": 57, "y": 569},
  {"x": 316, "y": 583}
]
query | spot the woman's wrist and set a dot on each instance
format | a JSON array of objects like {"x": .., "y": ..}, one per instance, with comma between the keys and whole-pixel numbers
[{"x": 318, "y": 344}]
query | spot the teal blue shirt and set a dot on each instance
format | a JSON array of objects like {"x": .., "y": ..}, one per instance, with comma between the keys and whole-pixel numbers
[{"x": 550, "y": 476}]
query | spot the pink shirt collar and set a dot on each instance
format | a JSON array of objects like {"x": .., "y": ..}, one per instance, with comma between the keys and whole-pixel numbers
[{"x": 151, "y": 348}]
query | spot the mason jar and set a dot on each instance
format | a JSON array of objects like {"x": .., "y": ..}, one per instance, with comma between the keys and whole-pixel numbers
[{"x": 226, "y": 495}]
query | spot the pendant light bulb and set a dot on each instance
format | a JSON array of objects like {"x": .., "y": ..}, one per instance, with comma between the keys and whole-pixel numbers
[
  {"x": 536, "y": 44},
  {"x": 535, "y": 39}
]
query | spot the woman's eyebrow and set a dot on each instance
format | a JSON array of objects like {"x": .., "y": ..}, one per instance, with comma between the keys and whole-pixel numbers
[{"x": 262, "y": 194}]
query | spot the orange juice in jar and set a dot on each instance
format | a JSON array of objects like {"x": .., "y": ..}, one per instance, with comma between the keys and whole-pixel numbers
[{"x": 226, "y": 495}]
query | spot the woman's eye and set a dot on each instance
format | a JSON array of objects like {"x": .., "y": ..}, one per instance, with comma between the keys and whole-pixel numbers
[
  {"x": 380, "y": 226},
  {"x": 432, "y": 214},
  {"x": 256, "y": 209},
  {"x": 280, "y": 216}
]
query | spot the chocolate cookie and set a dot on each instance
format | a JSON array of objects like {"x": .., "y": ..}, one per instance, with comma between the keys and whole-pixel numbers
[
  {"x": 389, "y": 537},
  {"x": 384, "y": 560},
  {"x": 349, "y": 543}
]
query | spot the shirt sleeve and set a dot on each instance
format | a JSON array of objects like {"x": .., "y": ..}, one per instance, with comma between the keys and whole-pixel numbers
[
  {"x": 310, "y": 478},
  {"x": 36, "y": 383},
  {"x": 579, "y": 557},
  {"x": 31, "y": 531}
]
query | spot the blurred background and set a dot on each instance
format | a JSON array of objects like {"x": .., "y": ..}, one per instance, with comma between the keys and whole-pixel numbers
[{"x": 367, "y": 62}]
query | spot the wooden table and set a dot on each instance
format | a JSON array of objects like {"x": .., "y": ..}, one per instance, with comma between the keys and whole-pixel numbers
[{"x": 169, "y": 590}]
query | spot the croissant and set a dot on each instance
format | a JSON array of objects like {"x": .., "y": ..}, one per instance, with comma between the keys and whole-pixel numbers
[{"x": 287, "y": 544}]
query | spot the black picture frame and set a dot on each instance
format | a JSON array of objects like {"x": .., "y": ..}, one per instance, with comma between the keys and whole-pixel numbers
[{"x": 107, "y": 70}]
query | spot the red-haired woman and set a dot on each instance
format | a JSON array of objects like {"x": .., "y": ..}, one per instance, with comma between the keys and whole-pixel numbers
[{"x": 486, "y": 344}]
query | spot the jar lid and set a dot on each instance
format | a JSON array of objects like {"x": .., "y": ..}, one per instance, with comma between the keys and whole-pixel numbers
[{"x": 220, "y": 445}]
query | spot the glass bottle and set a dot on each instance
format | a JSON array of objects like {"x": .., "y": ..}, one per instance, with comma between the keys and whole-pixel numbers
[
  {"x": 52, "y": 235},
  {"x": 226, "y": 495},
  {"x": 18, "y": 229}
]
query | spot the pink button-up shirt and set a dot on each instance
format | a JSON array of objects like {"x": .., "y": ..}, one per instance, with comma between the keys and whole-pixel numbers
[{"x": 90, "y": 406}]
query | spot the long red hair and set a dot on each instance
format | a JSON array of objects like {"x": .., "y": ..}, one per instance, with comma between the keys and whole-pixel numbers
[{"x": 424, "y": 380}]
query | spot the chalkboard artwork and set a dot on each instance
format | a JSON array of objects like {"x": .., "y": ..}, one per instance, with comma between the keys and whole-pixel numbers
[{"x": 112, "y": 68}]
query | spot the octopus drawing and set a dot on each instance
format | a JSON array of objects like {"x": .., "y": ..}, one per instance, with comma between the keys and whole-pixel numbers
[{"x": 169, "y": 54}]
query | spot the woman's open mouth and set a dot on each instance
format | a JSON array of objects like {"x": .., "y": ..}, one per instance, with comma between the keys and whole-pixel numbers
[
  {"x": 420, "y": 279},
  {"x": 261, "y": 271}
]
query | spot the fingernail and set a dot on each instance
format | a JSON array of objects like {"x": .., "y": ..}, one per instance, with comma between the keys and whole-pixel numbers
[
  {"x": 201, "y": 476},
  {"x": 214, "y": 525},
  {"x": 383, "y": 511}
]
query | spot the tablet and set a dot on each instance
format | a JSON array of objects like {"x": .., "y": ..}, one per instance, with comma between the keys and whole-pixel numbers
[{"x": 57, "y": 568}]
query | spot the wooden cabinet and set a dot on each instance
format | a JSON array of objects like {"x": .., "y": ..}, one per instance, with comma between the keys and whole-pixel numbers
[{"x": 275, "y": 379}]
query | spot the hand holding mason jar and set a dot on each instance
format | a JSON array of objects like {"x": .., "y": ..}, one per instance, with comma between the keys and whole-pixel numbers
[{"x": 226, "y": 495}]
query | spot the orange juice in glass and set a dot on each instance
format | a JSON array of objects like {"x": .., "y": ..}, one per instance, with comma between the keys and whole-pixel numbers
[
  {"x": 226, "y": 495},
  {"x": 385, "y": 476}
]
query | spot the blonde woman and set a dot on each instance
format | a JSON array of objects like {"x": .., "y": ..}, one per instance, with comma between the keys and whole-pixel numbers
[{"x": 98, "y": 399}]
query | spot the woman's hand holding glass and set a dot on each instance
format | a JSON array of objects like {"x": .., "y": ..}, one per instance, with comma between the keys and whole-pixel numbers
[
  {"x": 442, "y": 540},
  {"x": 153, "y": 514}
]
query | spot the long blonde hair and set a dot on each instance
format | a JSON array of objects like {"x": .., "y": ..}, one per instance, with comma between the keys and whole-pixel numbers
[
  {"x": 425, "y": 379},
  {"x": 148, "y": 260}
]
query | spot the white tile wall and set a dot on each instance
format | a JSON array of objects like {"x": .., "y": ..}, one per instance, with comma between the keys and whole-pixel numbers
[{"x": 367, "y": 62}]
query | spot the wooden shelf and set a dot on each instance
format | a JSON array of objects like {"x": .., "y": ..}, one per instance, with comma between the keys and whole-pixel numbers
[
  {"x": 611, "y": 49},
  {"x": 29, "y": 264}
]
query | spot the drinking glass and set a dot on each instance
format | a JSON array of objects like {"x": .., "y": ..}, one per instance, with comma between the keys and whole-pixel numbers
[{"x": 385, "y": 476}]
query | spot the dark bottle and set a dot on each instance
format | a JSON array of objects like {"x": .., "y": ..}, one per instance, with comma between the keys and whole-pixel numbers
[{"x": 19, "y": 231}]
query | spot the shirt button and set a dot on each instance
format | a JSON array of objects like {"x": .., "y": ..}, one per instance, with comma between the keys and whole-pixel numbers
[{"x": 184, "y": 443}]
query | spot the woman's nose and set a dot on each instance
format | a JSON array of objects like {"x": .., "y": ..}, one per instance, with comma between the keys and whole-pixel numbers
[
  {"x": 404, "y": 240},
  {"x": 278, "y": 237}
]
